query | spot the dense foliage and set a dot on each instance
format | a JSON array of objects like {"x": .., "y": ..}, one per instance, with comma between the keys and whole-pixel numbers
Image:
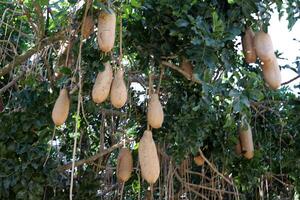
[{"x": 202, "y": 113}]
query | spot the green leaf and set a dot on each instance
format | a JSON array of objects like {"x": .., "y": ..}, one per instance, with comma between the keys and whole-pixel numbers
[
  {"x": 135, "y": 3},
  {"x": 65, "y": 70},
  {"x": 218, "y": 24},
  {"x": 181, "y": 23}
]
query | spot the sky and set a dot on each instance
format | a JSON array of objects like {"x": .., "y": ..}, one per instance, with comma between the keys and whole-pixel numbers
[{"x": 283, "y": 41}]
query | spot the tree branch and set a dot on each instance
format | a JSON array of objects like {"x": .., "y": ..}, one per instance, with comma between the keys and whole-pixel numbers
[
  {"x": 22, "y": 58},
  {"x": 90, "y": 159},
  {"x": 186, "y": 75},
  {"x": 293, "y": 79},
  {"x": 11, "y": 83}
]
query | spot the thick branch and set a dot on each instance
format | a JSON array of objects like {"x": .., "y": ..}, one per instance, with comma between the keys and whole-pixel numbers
[
  {"x": 186, "y": 75},
  {"x": 90, "y": 159},
  {"x": 22, "y": 58}
]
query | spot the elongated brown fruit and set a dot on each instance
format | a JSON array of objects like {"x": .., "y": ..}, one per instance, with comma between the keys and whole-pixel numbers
[
  {"x": 106, "y": 30},
  {"x": 102, "y": 84},
  {"x": 187, "y": 67},
  {"x": 246, "y": 142},
  {"x": 118, "y": 92},
  {"x": 87, "y": 26},
  {"x": 238, "y": 149},
  {"x": 263, "y": 46},
  {"x": 124, "y": 165},
  {"x": 148, "y": 158},
  {"x": 155, "y": 113},
  {"x": 199, "y": 160},
  {"x": 61, "y": 108},
  {"x": 248, "y": 46},
  {"x": 271, "y": 73}
]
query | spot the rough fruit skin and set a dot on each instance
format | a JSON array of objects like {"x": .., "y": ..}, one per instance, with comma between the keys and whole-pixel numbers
[
  {"x": 263, "y": 46},
  {"x": 187, "y": 67},
  {"x": 61, "y": 108},
  {"x": 87, "y": 26},
  {"x": 238, "y": 149},
  {"x": 106, "y": 30},
  {"x": 271, "y": 73},
  {"x": 124, "y": 165},
  {"x": 118, "y": 92},
  {"x": 248, "y": 46},
  {"x": 148, "y": 158},
  {"x": 199, "y": 160},
  {"x": 155, "y": 115},
  {"x": 102, "y": 84},
  {"x": 247, "y": 142}
]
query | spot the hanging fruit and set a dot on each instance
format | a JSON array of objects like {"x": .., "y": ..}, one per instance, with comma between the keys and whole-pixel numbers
[
  {"x": 118, "y": 93},
  {"x": 263, "y": 46},
  {"x": 61, "y": 108},
  {"x": 87, "y": 26},
  {"x": 237, "y": 148},
  {"x": 124, "y": 165},
  {"x": 106, "y": 30},
  {"x": 102, "y": 84},
  {"x": 199, "y": 160},
  {"x": 246, "y": 140},
  {"x": 248, "y": 46},
  {"x": 271, "y": 73},
  {"x": 155, "y": 115},
  {"x": 148, "y": 158}
]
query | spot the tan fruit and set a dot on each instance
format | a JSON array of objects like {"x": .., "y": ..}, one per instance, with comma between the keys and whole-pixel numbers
[
  {"x": 102, "y": 84},
  {"x": 118, "y": 93},
  {"x": 263, "y": 46},
  {"x": 148, "y": 158},
  {"x": 155, "y": 115},
  {"x": 106, "y": 30},
  {"x": 187, "y": 67},
  {"x": 248, "y": 46},
  {"x": 124, "y": 165},
  {"x": 87, "y": 26},
  {"x": 238, "y": 149},
  {"x": 61, "y": 108},
  {"x": 199, "y": 160},
  {"x": 271, "y": 73},
  {"x": 246, "y": 142}
]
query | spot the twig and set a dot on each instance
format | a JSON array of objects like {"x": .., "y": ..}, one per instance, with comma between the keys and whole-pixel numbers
[
  {"x": 88, "y": 3},
  {"x": 21, "y": 58},
  {"x": 160, "y": 77},
  {"x": 48, "y": 154},
  {"x": 293, "y": 79},
  {"x": 186, "y": 75},
  {"x": 121, "y": 51},
  {"x": 11, "y": 44},
  {"x": 90, "y": 159},
  {"x": 11, "y": 83},
  {"x": 214, "y": 168},
  {"x": 19, "y": 31},
  {"x": 185, "y": 183}
]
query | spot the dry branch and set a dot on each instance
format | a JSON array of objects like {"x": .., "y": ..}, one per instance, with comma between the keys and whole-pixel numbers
[
  {"x": 186, "y": 75},
  {"x": 22, "y": 58},
  {"x": 11, "y": 83},
  {"x": 293, "y": 79},
  {"x": 90, "y": 159},
  {"x": 215, "y": 169}
]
